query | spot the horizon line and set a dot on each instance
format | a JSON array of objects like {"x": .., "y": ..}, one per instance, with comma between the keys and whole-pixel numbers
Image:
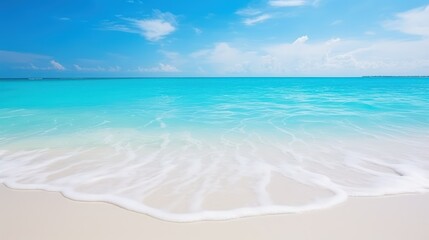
[{"x": 166, "y": 77}]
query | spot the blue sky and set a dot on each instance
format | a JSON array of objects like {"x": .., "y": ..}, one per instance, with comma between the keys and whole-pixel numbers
[{"x": 213, "y": 38}]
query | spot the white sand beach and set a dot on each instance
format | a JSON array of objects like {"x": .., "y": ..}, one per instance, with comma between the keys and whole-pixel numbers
[
  {"x": 214, "y": 120},
  {"x": 30, "y": 214}
]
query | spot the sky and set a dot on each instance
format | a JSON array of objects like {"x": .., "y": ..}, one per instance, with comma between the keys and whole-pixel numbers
[{"x": 163, "y": 38}]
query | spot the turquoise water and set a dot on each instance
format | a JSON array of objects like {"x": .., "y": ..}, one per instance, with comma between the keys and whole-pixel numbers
[{"x": 187, "y": 149}]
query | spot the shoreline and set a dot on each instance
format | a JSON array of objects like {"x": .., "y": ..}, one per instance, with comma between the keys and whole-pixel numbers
[{"x": 39, "y": 214}]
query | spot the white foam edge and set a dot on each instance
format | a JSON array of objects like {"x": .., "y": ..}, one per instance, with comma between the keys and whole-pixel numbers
[{"x": 338, "y": 198}]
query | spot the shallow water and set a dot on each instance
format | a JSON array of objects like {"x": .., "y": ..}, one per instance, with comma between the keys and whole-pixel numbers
[{"x": 187, "y": 149}]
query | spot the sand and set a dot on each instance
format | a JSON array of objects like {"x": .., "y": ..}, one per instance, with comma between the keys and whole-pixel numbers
[{"x": 34, "y": 215}]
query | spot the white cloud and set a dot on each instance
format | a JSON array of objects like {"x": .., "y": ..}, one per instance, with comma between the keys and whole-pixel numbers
[
  {"x": 57, "y": 66},
  {"x": 286, "y": 3},
  {"x": 135, "y": 1},
  {"x": 41, "y": 66},
  {"x": 166, "y": 68},
  {"x": 225, "y": 59},
  {"x": 255, "y": 20},
  {"x": 270, "y": 9},
  {"x": 333, "y": 41},
  {"x": 97, "y": 69},
  {"x": 414, "y": 22},
  {"x": 29, "y": 61},
  {"x": 153, "y": 29},
  {"x": 248, "y": 12},
  {"x": 301, "y": 40},
  {"x": 252, "y": 16},
  {"x": 333, "y": 57},
  {"x": 173, "y": 59}
]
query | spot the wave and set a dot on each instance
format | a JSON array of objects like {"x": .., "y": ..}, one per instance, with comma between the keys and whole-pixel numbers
[{"x": 190, "y": 176}]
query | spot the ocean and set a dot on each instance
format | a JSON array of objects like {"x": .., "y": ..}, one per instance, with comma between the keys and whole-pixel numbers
[{"x": 190, "y": 149}]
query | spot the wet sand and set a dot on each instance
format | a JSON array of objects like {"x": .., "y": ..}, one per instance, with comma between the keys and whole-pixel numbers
[{"x": 30, "y": 214}]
